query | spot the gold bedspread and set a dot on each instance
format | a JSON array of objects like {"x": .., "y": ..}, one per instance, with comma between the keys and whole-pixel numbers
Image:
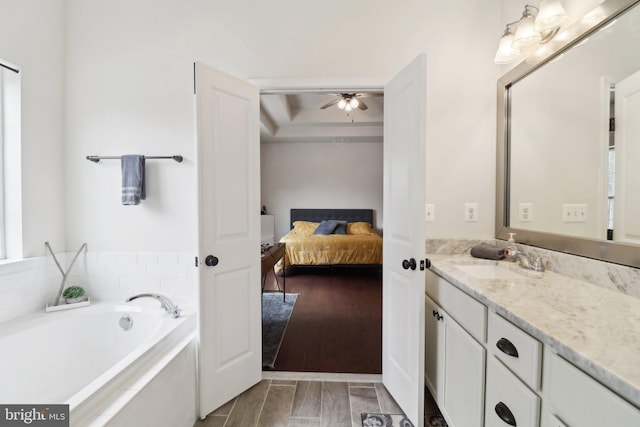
[{"x": 332, "y": 249}]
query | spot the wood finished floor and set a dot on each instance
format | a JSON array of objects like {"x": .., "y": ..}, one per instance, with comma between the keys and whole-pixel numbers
[
  {"x": 290, "y": 403},
  {"x": 336, "y": 325}
]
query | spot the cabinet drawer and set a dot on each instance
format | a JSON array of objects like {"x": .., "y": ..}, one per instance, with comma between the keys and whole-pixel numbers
[
  {"x": 519, "y": 351},
  {"x": 468, "y": 312},
  {"x": 579, "y": 400},
  {"x": 508, "y": 398},
  {"x": 552, "y": 421}
]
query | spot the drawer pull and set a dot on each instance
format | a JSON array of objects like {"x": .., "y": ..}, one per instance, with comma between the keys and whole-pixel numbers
[
  {"x": 505, "y": 414},
  {"x": 507, "y": 347}
]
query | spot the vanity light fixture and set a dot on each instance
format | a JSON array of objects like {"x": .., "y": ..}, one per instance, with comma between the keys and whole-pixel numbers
[{"x": 535, "y": 27}]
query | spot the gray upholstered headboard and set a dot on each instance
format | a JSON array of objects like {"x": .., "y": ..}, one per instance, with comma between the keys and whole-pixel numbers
[{"x": 317, "y": 215}]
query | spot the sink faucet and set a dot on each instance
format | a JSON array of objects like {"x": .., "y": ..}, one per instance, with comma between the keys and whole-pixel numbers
[
  {"x": 526, "y": 261},
  {"x": 166, "y": 303}
]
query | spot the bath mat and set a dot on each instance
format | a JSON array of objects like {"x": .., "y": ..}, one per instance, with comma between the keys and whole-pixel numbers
[
  {"x": 275, "y": 318},
  {"x": 385, "y": 420},
  {"x": 436, "y": 421}
]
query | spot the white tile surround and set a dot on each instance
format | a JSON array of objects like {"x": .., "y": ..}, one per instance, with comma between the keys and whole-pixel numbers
[
  {"x": 605, "y": 274},
  {"x": 27, "y": 285}
]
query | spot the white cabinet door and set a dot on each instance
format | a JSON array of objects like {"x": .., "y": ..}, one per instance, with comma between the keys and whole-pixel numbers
[
  {"x": 454, "y": 368},
  {"x": 434, "y": 349},
  {"x": 464, "y": 368}
]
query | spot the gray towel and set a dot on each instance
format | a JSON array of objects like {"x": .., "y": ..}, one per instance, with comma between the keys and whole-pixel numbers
[
  {"x": 132, "y": 179},
  {"x": 487, "y": 251}
]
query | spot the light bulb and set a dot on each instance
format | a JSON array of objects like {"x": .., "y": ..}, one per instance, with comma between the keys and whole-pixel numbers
[
  {"x": 526, "y": 35},
  {"x": 348, "y": 107},
  {"x": 354, "y": 103},
  {"x": 342, "y": 104},
  {"x": 550, "y": 16}
]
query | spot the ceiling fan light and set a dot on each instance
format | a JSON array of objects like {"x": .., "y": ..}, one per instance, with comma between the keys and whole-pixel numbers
[
  {"x": 526, "y": 35},
  {"x": 551, "y": 15},
  {"x": 342, "y": 104},
  {"x": 354, "y": 103},
  {"x": 348, "y": 107}
]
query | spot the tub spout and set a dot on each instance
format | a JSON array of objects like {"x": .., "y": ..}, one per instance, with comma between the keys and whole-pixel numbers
[{"x": 166, "y": 303}]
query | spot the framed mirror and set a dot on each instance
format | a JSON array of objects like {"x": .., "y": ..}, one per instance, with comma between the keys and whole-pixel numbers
[{"x": 568, "y": 143}]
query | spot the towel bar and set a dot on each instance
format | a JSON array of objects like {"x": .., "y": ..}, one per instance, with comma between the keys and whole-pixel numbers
[{"x": 96, "y": 159}]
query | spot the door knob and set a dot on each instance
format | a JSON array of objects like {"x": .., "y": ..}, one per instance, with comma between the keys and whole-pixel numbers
[
  {"x": 211, "y": 260},
  {"x": 409, "y": 264}
]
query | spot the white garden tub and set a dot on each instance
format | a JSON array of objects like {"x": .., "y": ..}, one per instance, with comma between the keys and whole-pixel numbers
[{"x": 82, "y": 357}]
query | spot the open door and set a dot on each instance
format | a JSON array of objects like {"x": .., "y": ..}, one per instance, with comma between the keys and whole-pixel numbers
[
  {"x": 228, "y": 150},
  {"x": 626, "y": 219},
  {"x": 403, "y": 279}
]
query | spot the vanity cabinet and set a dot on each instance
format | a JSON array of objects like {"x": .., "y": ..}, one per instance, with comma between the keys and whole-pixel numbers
[
  {"x": 454, "y": 360},
  {"x": 513, "y": 373},
  {"x": 485, "y": 371},
  {"x": 574, "y": 399}
]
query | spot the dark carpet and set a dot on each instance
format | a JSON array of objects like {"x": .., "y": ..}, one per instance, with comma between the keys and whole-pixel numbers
[{"x": 275, "y": 318}]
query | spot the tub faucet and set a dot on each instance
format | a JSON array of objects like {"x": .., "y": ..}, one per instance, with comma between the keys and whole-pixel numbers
[
  {"x": 166, "y": 303},
  {"x": 526, "y": 261}
]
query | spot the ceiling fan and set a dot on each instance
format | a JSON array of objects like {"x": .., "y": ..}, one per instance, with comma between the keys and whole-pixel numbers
[{"x": 349, "y": 101}]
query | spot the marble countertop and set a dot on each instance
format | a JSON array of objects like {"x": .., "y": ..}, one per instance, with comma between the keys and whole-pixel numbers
[{"x": 595, "y": 328}]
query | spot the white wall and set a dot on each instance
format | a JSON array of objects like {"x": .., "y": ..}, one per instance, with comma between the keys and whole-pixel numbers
[
  {"x": 320, "y": 175},
  {"x": 32, "y": 38},
  {"x": 130, "y": 89}
]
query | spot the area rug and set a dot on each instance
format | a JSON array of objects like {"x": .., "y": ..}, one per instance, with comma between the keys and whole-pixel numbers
[
  {"x": 275, "y": 318},
  {"x": 385, "y": 420}
]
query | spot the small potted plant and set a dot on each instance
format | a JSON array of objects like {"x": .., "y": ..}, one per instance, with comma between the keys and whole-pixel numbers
[{"x": 74, "y": 294}]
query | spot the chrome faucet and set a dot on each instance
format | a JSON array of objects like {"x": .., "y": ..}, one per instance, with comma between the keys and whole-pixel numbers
[
  {"x": 530, "y": 262},
  {"x": 166, "y": 303}
]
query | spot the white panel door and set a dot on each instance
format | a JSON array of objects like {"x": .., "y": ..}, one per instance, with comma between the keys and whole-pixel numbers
[
  {"x": 404, "y": 239},
  {"x": 626, "y": 218},
  {"x": 230, "y": 351}
]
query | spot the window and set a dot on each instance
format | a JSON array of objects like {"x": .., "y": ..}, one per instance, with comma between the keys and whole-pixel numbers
[{"x": 10, "y": 162}]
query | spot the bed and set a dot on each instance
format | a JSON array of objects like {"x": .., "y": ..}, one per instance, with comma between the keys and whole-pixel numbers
[{"x": 352, "y": 242}]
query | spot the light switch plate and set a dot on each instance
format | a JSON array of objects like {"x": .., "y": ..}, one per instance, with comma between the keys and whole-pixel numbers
[
  {"x": 429, "y": 212},
  {"x": 574, "y": 212}
]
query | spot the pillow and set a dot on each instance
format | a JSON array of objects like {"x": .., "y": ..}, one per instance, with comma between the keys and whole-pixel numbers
[
  {"x": 304, "y": 228},
  {"x": 325, "y": 228},
  {"x": 341, "y": 227},
  {"x": 360, "y": 228}
]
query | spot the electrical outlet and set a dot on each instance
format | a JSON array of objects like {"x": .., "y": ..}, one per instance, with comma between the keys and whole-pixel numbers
[
  {"x": 471, "y": 212},
  {"x": 525, "y": 212},
  {"x": 429, "y": 212},
  {"x": 574, "y": 212}
]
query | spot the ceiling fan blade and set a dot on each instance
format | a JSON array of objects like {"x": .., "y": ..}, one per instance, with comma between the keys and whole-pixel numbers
[
  {"x": 362, "y": 106},
  {"x": 369, "y": 95},
  {"x": 330, "y": 104}
]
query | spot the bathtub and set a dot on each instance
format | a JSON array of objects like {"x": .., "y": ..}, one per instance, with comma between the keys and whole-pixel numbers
[{"x": 82, "y": 357}]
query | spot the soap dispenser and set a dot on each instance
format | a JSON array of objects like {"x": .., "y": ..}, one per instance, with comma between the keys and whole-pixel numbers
[{"x": 511, "y": 248}]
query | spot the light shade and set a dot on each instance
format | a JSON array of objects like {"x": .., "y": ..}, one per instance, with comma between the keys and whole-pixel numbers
[
  {"x": 506, "y": 52},
  {"x": 342, "y": 103},
  {"x": 526, "y": 35},
  {"x": 550, "y": 16},
  {"x": 354, "y": 103}
]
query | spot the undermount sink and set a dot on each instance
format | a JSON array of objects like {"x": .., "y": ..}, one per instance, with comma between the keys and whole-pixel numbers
[{"x": 496, "y": 270}]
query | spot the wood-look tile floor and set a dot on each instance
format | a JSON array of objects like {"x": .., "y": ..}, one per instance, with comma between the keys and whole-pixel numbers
[{"x": 292, "y": 403}]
